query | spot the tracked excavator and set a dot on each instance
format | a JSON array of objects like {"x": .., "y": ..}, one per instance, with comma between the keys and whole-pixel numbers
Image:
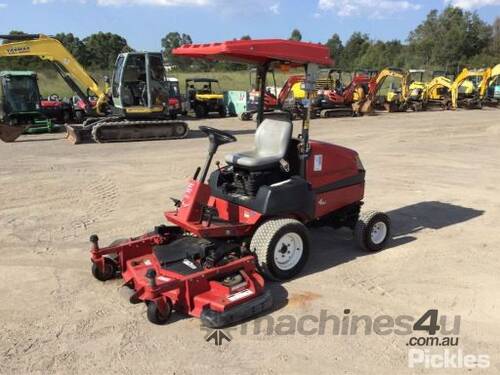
[
  {"x": 285, "y": 104},
  {"x": 135, "y": 108},
  {"x": 391, "y": 97},
  {"x": 491, "y": 96},
  {"x": 336, "y": 99},
  {"x": 437, "y": 93},
  {"x": 462, "y": 96}
]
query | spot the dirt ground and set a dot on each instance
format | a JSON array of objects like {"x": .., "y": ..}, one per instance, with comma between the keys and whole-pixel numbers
[{"x": 435, "y": 173}]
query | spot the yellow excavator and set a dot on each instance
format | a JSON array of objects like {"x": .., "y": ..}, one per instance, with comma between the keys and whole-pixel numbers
[
  {"x": 437, "y": 92},
  {"x": 416, "y": 88},
  {"x": 469, "y": 88},
  {"x": 136, "y": 108},
  {"x": 390, "y": 94},
  {"x": 491, "y": 96}
]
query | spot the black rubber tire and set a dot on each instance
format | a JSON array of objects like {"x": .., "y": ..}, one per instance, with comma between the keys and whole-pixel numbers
[
  {"x": 154, "y": 315},
  {"x": 109, "y": 273},
  {"x": 201, "y": 110},
  {"x": 264, "y": 242},
  {"x": 364, "y": 226},
  {"x": 246, "y": 116},
  {"x": 222, "y": 112}
]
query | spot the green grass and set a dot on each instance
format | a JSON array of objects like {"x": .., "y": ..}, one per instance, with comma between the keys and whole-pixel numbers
[
  {"x": 51, "y": 83},
  {"x": 238, "y": 80}
]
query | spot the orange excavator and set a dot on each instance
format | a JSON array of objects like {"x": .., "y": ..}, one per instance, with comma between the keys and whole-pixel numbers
[
  {"x": 336, "y": 99},
  {"x": 287, "y": 103}
]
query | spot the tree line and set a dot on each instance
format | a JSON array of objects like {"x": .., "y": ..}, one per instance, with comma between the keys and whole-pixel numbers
[{"x": 448, "y": 40}]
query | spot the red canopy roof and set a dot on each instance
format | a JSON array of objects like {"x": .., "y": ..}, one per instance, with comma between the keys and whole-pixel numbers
[{"x": 259, "y": 52}]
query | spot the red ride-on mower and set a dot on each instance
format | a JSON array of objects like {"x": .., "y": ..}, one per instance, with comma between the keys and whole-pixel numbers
[{"x": 252, "y": 216}]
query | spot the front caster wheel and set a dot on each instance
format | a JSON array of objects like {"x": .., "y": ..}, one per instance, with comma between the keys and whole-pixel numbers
[
  {"x": 281, "y": 247},
  {"x": 109, "y": 271},
  {"x": 156, "y": 316},
  {"x": 373, "y": 230}
]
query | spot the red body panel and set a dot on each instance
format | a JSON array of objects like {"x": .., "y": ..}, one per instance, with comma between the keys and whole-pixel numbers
[
  {"x": 232, "y": 221},
  {"x": 330, "y": 164},
  {"x": 174, "y": 104},
  {"x": 51, "y": 103}
]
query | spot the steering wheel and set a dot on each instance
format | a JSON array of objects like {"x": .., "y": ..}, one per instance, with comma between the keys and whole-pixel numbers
[{"x": 217, "y": 136}]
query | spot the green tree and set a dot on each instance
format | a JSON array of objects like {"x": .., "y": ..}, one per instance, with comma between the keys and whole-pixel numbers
[
  {"x": 354, "y": 49},
  {"x": 296, "y": 35},
  {"x": 449, "y": 39},
  {"x": 76, "y": 46},
  {"x": 103, "y": 48},
  {"x": 174, "y": 40},
  {"x": 494, "y": 47},
  {"x": 336, "y": 49}
]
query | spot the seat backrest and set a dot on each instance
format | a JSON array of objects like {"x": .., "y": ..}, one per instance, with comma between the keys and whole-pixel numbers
[{"x": 272, "y": 138}]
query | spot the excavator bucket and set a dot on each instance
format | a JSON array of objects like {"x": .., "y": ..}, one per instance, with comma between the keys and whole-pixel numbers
[
  {"x": 9, "y": 133},
  {"x": 77, "y": 134},
  {"x": 366, "y": 107}
]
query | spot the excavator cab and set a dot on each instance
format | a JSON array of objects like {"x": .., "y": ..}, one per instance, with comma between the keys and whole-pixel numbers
[
  {"x": 139, "y": 85},
  {"x": 19, "y": 95}
]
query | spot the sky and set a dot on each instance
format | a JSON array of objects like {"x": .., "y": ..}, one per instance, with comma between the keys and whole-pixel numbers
[{"x": 144, "y": 22}]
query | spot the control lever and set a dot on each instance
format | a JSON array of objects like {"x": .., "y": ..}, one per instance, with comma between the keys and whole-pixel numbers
[{"x": 177, "y": 202}]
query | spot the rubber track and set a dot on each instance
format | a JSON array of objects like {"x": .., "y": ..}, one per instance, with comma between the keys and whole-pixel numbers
[{"x": 129, "y": 131}]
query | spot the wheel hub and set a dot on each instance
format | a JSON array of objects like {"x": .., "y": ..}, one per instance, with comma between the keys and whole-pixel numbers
[
  {"x": 378, "y": 232},
  {"x": 288, "y": 251}
]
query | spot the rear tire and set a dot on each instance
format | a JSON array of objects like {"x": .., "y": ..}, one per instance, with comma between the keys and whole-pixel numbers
[
  {"x": 373, "y": 230},
  {"x": 201, "y": 110},
  {"x": 281, "y": 247},
  {"x": 155, "y": 316},
  {"x": 246, "y": 116}
]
